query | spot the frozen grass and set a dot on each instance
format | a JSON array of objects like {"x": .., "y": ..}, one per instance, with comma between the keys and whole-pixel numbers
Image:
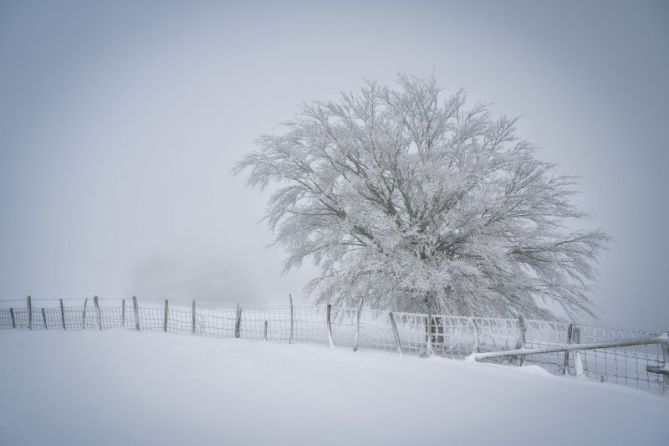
[{"x": 124, "y": 388}]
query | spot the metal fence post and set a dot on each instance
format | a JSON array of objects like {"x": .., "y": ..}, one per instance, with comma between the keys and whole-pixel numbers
[
  {"x": 30, "y": 313},
  {"x": 11, "y": 314},
  {"x": 357, "y": 326},
  {"x": 98, "y": 316},
  {"x": 44, "y": 318},
  {"x": 328, "y": 318},
  {"x": 136, "y": 310},
  {"x": 62, "y": 314},
  {"x": 264, "y": 333},
  {"x": 393, "y": 324}
]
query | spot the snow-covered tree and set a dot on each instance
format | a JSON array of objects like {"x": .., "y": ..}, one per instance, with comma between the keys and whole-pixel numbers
[{"x": 420, "y": 203}]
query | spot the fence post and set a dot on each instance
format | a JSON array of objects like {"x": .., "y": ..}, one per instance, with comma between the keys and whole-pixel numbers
[
  {"x": 428, "y": 341},
  {"x": 570, "y": 340},
  {"x": 135, "y": 307},
  {"x": 357, "y": 326},
  {"x": 98, "y": 316},
  {"x": 264, "y": 333},
  {"x": 193, "y": 317},
  {"x": 664, "y": 370},
  {"x": 62, "y": 314},
  {"x": 238, "y": 322},
  {"x": 477, "y": 336},
  {"x": 522, "y": 328},
  {"x": 328, "y": 319},
  {"x": 44, "y": 319},
  {"x": 290, "y": 339},
  {"x": 11, "y": 313},
  {"x": 83, "y": 315},
  {"x": 123, "y": 313},
  {"x": 30, "y": 313},
  {"x": 166, "y": 313},
  {"x": 665, "y": 374},
  {"x": 438, "y": 332},
  {"x": 398, "y": 343},
  {"x": 578, "y": 361}
]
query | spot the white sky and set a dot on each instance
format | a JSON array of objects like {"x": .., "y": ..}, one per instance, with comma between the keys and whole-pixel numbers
[{"x": 119, "y": 125}]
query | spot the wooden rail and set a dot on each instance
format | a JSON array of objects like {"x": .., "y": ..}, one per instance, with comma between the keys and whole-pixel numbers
[{"x": 662, "y": 339}]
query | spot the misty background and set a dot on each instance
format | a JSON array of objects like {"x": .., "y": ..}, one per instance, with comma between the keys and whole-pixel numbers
[{"x": 120, "y": 122}]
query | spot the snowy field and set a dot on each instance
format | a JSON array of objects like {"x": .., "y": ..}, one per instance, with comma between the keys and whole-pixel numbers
[{"x": 125, "y": 388}]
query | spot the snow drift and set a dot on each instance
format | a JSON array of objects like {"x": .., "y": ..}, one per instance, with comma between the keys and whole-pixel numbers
[{"x": 117, "y": 387}]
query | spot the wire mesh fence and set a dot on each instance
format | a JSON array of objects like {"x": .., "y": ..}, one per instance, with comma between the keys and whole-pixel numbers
[
  {"x": 364, "y": 328},
  {"x": 622, "y": 365}
]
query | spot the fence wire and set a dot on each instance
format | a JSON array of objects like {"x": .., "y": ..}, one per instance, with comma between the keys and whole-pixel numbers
[{"x": 420, "y": 334}]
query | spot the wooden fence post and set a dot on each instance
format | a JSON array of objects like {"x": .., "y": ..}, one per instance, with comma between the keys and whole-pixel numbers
[
  {"x": 264, "y": 333},
  {"x": 193, "y": 317},
  {"x": 123, "y": 313},
  {"x": 664, "y": 369},
  {"x": 522, "y": 328},
  {"x": 570, "y": 340},
  {"x": 165, "y": 318},
  {"x": 30, "y": 313},
  {"x": 290, "y": 339},
  {"x": 83, "y": 315},
  {"x": 238, "y": 322},
  {"x": 578, "y": 361},
  {"x": 62, "y": 314},
  {"x": 11, "y": 313},
  {"x": 357, "y": 326},
  {"x": 44, "y": 318},
  {"x": 665, "y": 373},
  {"x": 438, "y": 330},
  {"x": 398, "y": 342},
  {"x": 428, "y": 340},
  {"x": 98, "y": 316},
  {"x": 136, "y": 311},
  {"x": 477, "y": 336},
  {"x": 328, "y": 319}
]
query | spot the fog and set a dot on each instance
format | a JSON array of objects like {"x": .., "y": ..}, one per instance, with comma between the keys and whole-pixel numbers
[{"x": 120, "y": 123}]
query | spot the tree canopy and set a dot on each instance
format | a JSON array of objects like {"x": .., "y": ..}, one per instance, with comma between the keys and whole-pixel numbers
[{"x": 416, "y": 201}]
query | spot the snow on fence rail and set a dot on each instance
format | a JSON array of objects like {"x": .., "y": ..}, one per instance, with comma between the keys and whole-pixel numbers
[{"x": 641, "y": 365}]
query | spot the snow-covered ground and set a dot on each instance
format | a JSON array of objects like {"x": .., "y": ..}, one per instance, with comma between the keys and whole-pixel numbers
[{"x": 125, "y": 388}]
